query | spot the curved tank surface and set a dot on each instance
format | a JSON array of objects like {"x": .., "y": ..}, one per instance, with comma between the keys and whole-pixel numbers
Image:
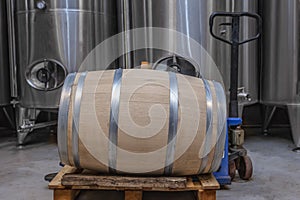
[
  {"x": 53, "y": 39},
  {"x": 187, "y": 17},
  {"x": 281, "y": 52},
  {"x": 191, "y": 17},
  {"x": 281, "y": 68},
  {"x": 4, "y": 60}
]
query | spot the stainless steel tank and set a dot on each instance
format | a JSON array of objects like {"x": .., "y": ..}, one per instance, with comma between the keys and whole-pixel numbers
[
  {"x": 281, "y": 67},
  {"x": 191, "y": 17},
  {"x": 4, "y": 64},
  {"x": 52, "y": 38}
]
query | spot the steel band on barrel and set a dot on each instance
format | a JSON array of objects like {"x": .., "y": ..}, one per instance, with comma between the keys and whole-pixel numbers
[
  {"x": 114, "y": 117},
  {"x": 173, "y": 123},
  {"x": 76, "y": 117},
  {"x": 63, "y": 115},
  {"x": 209, "y": 120},
  {"x": 221, "y": 135}
]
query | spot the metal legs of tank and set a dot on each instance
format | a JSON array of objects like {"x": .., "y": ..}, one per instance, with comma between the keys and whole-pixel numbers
[
  {"x": 268, "y": 115},
  {"x": 294, "y": 116},
  {"x": 25, "y": 121}
]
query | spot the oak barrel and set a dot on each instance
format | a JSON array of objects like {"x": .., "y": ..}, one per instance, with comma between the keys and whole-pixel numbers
[{"x": 139, "y": 121}]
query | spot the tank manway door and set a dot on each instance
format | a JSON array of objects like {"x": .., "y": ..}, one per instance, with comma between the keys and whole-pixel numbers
[{"x": 46, "y": 75}]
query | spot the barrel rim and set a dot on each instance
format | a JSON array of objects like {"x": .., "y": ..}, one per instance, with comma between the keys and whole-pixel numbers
[
  {"x": 221, "y": 110},
  {"x": 76, "y": 118},
  {"x": 63, "y": 116}
]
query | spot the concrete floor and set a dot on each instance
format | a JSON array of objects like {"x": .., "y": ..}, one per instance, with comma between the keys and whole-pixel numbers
[{"x": 276, "y": 171}]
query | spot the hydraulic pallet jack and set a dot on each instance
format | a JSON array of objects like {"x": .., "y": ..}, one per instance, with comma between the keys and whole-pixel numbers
[{"x": 235, "y": 155}]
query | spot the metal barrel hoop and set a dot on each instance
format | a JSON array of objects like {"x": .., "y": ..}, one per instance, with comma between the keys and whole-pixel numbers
[
  {"x": 63, "y": 115},
  {"x": 173, "y": 123},
  {"x": 75, "y": 120},
  {"x": 114, "y": 115}
]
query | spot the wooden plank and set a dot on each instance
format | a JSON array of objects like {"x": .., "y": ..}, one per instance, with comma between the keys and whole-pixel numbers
[
  {"x": 209, "y": 182},
  {"x": 190, "y": 183},
  {"x": 198, "y": 184},
  {"x": 207, "y": 195},
  {"x": 123, "y": 181},
  {"x": 133, "y": 195},
  {"x": 160, "y": 189},
  {"x": 60, "y": 194},
  {"x": 56, "y": 182}
]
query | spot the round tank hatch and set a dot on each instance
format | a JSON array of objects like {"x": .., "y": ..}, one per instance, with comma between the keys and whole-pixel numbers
[
  {"x": 177, "y": 64},
  {"x": 46, "y": 75}
]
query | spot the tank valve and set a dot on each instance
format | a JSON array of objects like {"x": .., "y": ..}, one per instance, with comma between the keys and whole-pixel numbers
[
  {"x": 242, "y": 95},
  {"x": 41, "y": 5}
]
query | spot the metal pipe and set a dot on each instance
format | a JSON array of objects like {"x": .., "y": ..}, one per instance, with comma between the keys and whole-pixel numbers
[
  {"x": 12, "y": 48},
  {"x": 45, "y": 124},
  {"x": 126, "y": 12},
  {"x": 269, "y": 113},
  {"x": 233, "y": 106},
  {"x": 260, "y": 54},
  {"x": 121, "y": 27}
]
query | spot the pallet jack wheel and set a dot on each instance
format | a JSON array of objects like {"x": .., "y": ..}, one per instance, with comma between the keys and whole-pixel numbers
[
  {"x": 245, "y": 167},
  {"x": 232, "y": 169}
]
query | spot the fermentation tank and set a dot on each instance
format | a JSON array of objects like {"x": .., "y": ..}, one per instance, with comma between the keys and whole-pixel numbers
[
  {"x": 52, "y": 38},
  {"x": 191, "y": 18},
  {"x": 281, "y": 67},
  {"x": 4, "y": 64}
]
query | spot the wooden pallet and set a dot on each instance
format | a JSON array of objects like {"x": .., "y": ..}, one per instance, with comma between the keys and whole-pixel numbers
[{"x": 68, "y": 183}]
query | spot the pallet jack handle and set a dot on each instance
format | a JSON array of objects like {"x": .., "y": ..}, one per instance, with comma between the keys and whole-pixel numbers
[{"x": 235, "y": 42}]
